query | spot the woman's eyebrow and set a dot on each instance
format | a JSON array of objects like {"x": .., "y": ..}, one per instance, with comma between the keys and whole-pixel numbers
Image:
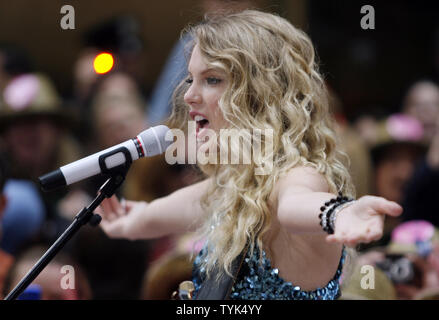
[
  {"x": 208, "y": 70},
  {"x": 203, "y": 72}
]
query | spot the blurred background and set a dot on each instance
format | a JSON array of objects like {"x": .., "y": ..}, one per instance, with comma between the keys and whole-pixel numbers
[{"x": 55, "y": 107}]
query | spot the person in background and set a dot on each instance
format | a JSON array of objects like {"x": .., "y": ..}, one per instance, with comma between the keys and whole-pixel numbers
[
  {"x": 22, "y": 215},
  {"x": 395, "y": 154},
  {"x": 50, "y": 281},
  {"x": 360, "y": 163},
  {"x": 396, "y": 151},
  {"x": 121, "y": 37},
  {"x": 164, "y": 275},
  {"x": 35, "y": 127},
  {"x": 117, "y": 110},
  {"x": 36, "y": 139},
  {"x": 117, "y": 113},
  {"x": 13, "y": 62},
  {"x": 84, "y": 78},
  {"x": 405, "y": 269},
  {"x": 3, "y": 178},
  {"x": 422, "y": 193},
  {"x": 422, "y": 102},
  {"x": 6, "y": 259}
]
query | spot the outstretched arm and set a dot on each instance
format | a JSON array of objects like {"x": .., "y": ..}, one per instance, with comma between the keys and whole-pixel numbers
[
  {"x": 303, "y": 191},
  {"x": 177, "y": 213}
]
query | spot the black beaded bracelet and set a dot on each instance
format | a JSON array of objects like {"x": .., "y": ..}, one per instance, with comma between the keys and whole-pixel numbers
[{"x": 328, "y": 209}]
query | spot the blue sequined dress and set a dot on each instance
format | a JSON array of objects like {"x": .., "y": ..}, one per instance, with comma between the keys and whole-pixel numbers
[{"x": 257, "y": 281}]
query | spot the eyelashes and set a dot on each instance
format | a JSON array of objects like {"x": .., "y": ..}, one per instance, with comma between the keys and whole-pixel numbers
[
  {"x": 212, "y": 80},
  {"x": 209, "y": 80}
]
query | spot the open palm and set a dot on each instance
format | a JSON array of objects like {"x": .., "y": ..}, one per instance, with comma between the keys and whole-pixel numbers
[{"x": 363, "y": 221}]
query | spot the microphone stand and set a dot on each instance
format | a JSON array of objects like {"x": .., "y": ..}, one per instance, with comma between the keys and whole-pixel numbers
[{"x": 86, "y": 215}]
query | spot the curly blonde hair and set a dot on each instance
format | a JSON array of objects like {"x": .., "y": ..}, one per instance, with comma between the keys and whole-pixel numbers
[{"x": 273, "y": 83}]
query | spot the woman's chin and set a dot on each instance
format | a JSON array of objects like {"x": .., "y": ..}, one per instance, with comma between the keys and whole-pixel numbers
[
  {"x": 203, "y": 145},
  {"x": 206, "y": 150}
]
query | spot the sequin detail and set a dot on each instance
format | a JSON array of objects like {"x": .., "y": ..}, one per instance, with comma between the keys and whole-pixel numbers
[{"x": 257, "y": 281}]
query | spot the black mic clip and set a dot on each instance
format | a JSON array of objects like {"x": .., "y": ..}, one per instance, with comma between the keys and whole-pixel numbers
[{"x": 117, "y": 173}]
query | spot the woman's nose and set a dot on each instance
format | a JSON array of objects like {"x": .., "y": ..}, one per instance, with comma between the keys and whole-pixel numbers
[{"x": 192, "y": 96}]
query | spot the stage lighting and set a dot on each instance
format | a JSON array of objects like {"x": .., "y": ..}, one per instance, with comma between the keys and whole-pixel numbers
[{"x": 103, "y": 63}]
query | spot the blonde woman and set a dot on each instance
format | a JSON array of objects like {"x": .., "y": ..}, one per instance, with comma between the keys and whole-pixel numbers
[{"x": 287, "y": 227}]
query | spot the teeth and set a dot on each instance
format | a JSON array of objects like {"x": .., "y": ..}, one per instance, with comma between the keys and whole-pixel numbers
[{"x": 199, "y": 118}]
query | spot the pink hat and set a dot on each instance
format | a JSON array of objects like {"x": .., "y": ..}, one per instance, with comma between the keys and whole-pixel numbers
[{"x": 412, "y": 232}]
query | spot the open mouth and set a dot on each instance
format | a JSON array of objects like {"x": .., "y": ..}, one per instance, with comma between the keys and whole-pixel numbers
[{"x": 201, "y": 122}]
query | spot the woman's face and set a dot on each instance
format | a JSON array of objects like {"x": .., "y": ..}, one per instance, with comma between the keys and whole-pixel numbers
[
  {"x": 118, "y": 121},
  {"x": 206, "y": 88},
  {"x": 32, "y": 143}
]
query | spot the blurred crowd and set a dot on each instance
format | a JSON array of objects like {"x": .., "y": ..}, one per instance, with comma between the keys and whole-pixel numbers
[{"x": 391, "y": 155}]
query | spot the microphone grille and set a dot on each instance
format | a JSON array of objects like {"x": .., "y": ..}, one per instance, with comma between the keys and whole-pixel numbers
[{"x": 154, "y": 142}]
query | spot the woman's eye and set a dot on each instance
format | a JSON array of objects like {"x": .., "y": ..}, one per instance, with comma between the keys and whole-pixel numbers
[
  {"x": 212, "y": 80},
  {"x": 189, "y": 81}
]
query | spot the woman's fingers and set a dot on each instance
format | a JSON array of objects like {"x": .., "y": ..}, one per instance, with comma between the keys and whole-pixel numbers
[
  {"x": 394, "y": 209},
  {"x": 371, "y": 226},
  {"x": 129, "y": 204},
  {"x": 113, "y": 229},
  {"x": 384, "y": 206},
  {"x": 391, "y": 208},
  {"x": 107, "y": 210},
  {"x": 112, "y": 209},
  {"x": 116, "y": 206},
  {"x": 112, "y": 203},
  {"x": 99, "y": 211}
]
